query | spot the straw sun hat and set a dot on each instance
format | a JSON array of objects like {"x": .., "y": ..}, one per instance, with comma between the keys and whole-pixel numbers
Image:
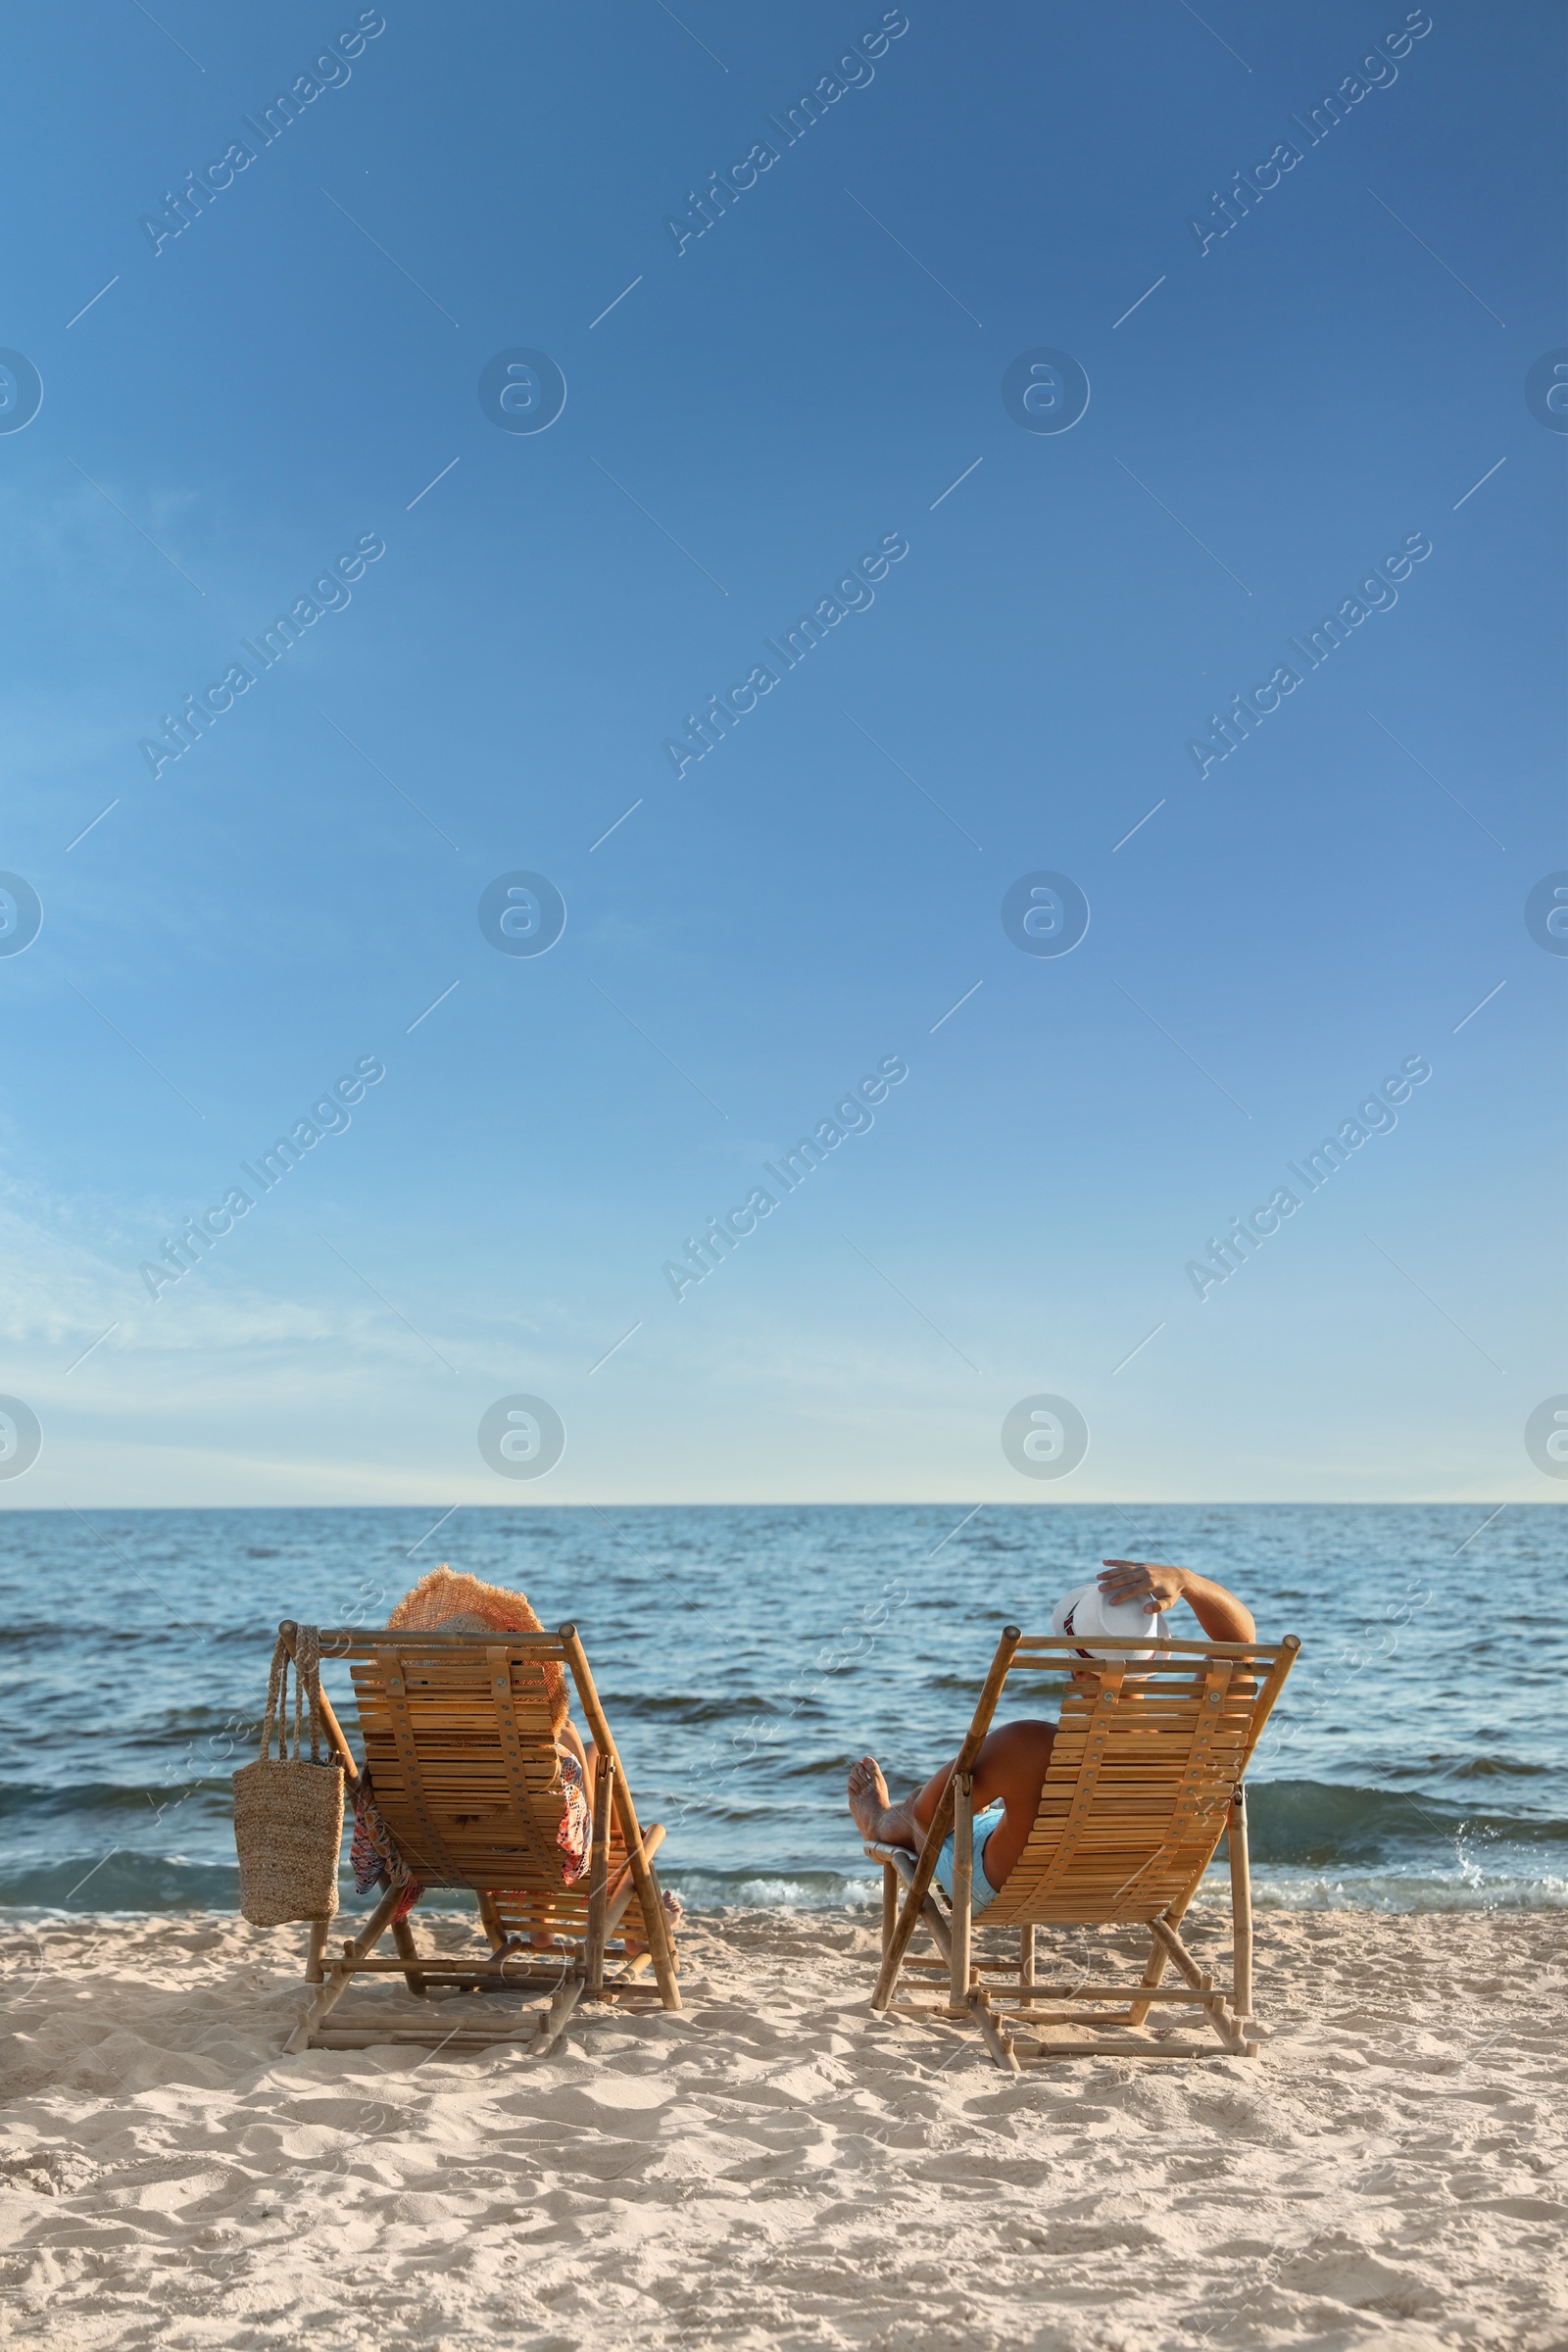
[{"x": 444, "y": 1602}]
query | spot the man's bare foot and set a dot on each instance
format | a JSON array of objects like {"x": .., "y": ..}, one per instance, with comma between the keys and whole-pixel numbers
[{"x": 877, "y": 1818}]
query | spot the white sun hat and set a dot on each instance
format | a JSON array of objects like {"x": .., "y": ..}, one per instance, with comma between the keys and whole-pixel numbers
[{"x": 1086, "y": 1610}]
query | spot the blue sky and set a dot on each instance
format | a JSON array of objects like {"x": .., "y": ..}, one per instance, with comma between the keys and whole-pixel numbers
[{"x": 749, "y": 414}]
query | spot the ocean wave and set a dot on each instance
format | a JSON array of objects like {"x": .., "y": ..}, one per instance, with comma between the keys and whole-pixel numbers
[
  {"x": 1321, "y": 1823},
  {"x": 695, "y": 1708},
  {"x": 121, "y": 1882},
  {"x": 752, "y": 1890},
  {"x": 26, "y": 1802},
  {"x": 1399, "y": 1891}
]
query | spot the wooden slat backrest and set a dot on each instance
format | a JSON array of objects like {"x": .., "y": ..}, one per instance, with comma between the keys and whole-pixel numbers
[
  {"x": 428, "y": 1852},
  {"x": 457, "y": 1738},
  {"x": 1146, "y": 1758}
]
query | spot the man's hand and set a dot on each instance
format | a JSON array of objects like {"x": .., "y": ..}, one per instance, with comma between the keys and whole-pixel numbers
[{"x": 1157, "y": 1587}]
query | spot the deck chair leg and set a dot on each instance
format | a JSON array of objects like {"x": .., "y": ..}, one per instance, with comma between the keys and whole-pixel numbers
[
  {"x": 950, "y": 1935},
  {"x": 656, "y": 1928},
  {"x": 1241, "y": 1911},
  {"x": 598, "y": 1879},
  {"x": 659, "y": 1944},
  {"x": 313, "y": 1970},
  {"x": 1154, "y": 1978},
  {"x": 962, "y": 1886},
  {"x": 619, "y": 1895},
  {"x": 490, "y": 1920},
  {"x": 1229, "y": 2029},
  {"x": 655, "y": 1925},
  {"x": 999, "y": 2041},
  {"x": 1158, "y": 1961},
  {"x": 553, "y": 2023},
  {"x": 932, "y": 1920},
  {"x": 339, "y": 1973},
  {"x": 407, "y": 1949},
  {"x": 1026, "y": 1955},
  {"x": 890, "y": 1905}
]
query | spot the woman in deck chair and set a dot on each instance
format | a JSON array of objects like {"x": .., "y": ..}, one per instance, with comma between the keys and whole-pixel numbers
[
  {"x": 1012, "y": 1761},
  {"x": 445, "y": 1602}
]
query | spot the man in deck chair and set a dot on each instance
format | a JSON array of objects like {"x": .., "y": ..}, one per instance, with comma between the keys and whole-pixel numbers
[{"x": 1011, "y": 1764}]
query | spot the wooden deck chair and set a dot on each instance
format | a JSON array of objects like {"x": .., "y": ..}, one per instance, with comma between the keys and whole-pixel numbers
[
  {"x": 1146, "y": 1777},
  {"x": 456, "y": 1735}
]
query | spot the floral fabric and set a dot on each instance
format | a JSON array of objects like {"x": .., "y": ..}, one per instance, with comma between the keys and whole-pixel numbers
[
  {"x": 373, "y": 1854},
  {"x": 575, "y": 1834}
]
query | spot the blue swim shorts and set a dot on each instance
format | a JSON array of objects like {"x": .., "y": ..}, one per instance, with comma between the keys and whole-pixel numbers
[{"x": 984, "y": 1894}]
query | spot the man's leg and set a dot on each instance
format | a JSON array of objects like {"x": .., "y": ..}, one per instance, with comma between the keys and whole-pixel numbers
[{"x": 1009, "y": 1766}]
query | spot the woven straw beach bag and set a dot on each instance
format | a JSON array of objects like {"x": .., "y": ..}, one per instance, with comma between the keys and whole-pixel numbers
[{"x": 288, "y": 1810}]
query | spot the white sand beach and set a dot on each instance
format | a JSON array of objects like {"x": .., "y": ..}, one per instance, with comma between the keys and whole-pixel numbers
[{"x": 773, "y": 2167}]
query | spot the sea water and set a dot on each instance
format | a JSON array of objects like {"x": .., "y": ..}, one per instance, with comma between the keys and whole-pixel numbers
[{"x": 1417, "y": 1759}]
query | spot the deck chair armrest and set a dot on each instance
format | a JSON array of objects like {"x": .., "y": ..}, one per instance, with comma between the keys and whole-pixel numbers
[
  {"x": 621, "y": 1881},
  {"x": 340, "y": 1746},
  {"x": 919, "y": 1886}
]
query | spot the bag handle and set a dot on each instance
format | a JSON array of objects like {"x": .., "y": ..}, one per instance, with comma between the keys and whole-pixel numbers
[
  {"x": 306, "y": 1664},
  {"x": 276, "y": 1679}
]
